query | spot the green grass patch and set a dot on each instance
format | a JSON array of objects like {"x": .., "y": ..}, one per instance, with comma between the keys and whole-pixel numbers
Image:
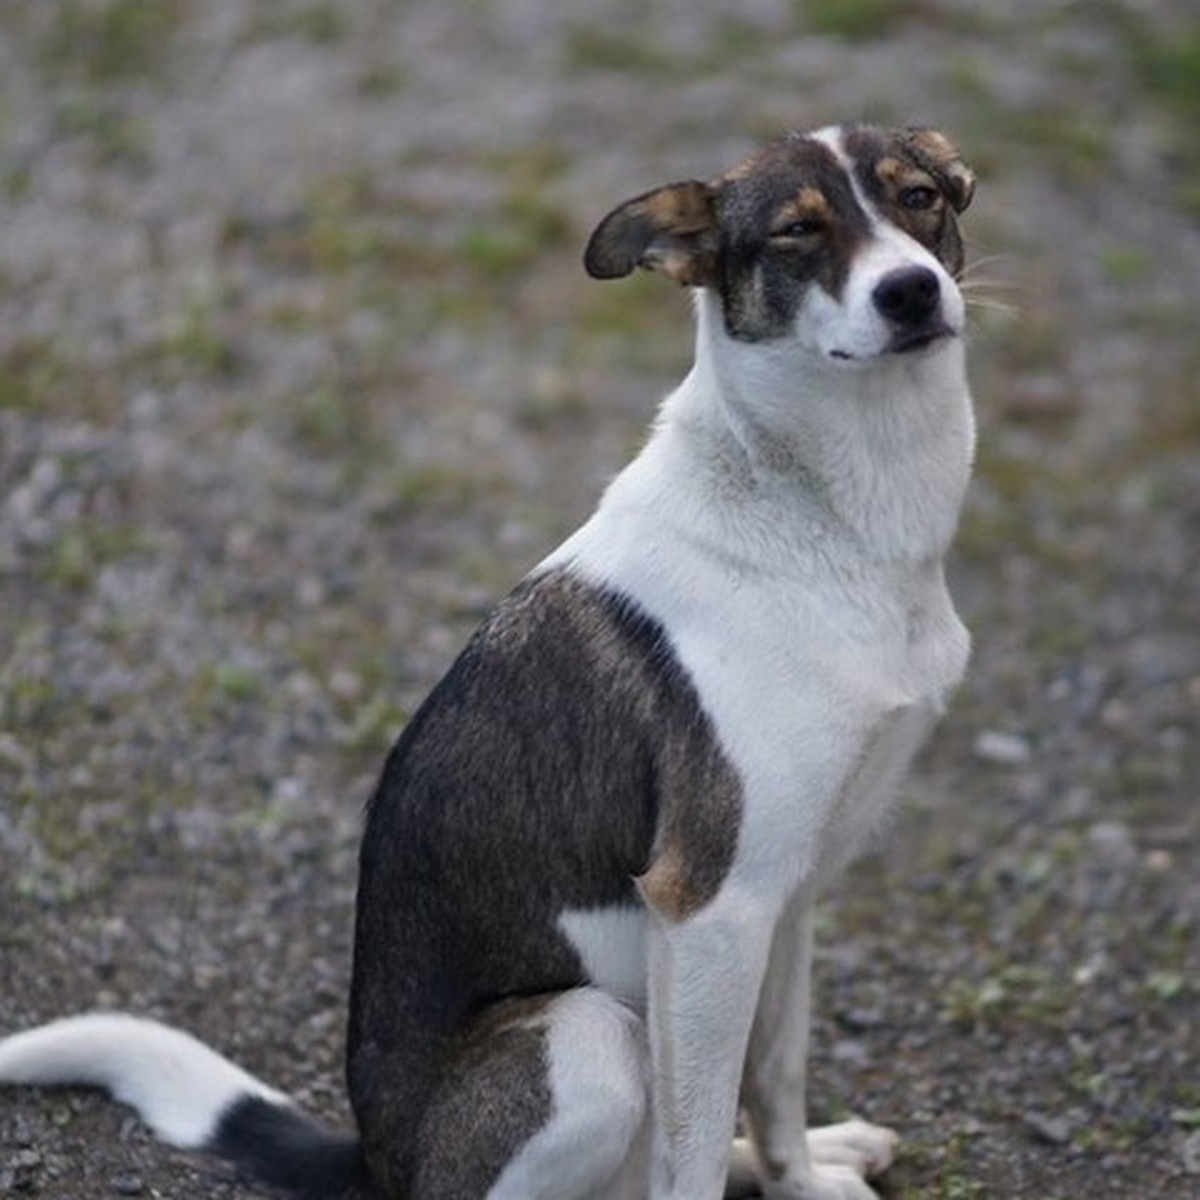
[
  {"x": 1076, "y": 145},
  {"x": 1124, "y": 264},
  {"x": 851, "y": 20},
  {"x": 38, "y": 377},
  {"x": 1170, "y": 69},
  {"x": 319, "y": 24},
  {"x": 113, "y": 135},
  {"x": 344, "y": 226},
  {"x": 642, "y": 322},
  {"x": 78, "y": 551},
  {"x": 198, "y": 345},
  {"x": 111, "y": 40},
  {"x": 339, "y": 422},
  {"x": 29, "y": 704},
  {"x": 379, "y": 80},
  {"x": 217, "y": 687},
  {"x": 525, "y": 227},
  {"x": 630, "y": 52},
  {"x": 371, "y": 727},
  {"x": 527, "y": 222},
  {"x": 31, "y": 373},
  {"x": 236, "y": 682},
  {"x": 442, "y": 488}
]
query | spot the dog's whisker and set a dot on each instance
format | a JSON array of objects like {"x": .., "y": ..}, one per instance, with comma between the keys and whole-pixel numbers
[
  {"x": 992, "y": 305},
  {"x": 967, "y": 285},
  {"x": 986, "y": 260}
]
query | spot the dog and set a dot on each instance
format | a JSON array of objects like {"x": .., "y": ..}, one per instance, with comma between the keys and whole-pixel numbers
[{"x": 584, "y": 924}]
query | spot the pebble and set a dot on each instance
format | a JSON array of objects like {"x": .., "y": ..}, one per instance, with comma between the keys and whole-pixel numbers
[
  {"x": 859, "y": 1020},
  {"x": 1003, "y": 749},
  {"x": 1191, "y": 1153},
  {"x": 850, "y": 1052},
  {"x": 126, "y": 1185},
  {"x": 1113, "y": 842},
  {"x": 1054, "y": 1131}
]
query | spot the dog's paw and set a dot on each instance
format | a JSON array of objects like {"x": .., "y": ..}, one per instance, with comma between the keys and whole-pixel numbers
[
  {"x": 821, "y": 1183},
  {"x": 866, "y": 1149},
  {"x": 843, "y": 1157}
]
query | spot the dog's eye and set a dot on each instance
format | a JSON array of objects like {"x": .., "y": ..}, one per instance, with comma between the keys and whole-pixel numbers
[
  {"x": 920, "y": 197},
  {"x": 795, "y": 230}
]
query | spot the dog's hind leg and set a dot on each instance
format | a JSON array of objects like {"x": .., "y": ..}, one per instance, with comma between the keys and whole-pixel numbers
[{"x": 540, "y": 1099}]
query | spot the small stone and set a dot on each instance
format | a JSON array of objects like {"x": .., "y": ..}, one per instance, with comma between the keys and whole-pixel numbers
[
  {"x": 1112, "y": 841},
  {"x": 1054, "y": 1131},
  {"x": 859, "y": 1020},
  {"x": 1159, "y": 861},
  {"x": 1090, "y": 970},
  {"x": 1004, "y": 749},
  {"x": 1191, "y": 1153},
  {"x": 126, "y": 1185},
  {"x": 850, "y": 1052},
  {"x": 345, "y": 684},
  {"x": 311, "y": 592}
]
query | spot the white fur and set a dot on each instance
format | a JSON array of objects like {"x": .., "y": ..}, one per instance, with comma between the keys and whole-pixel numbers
[
  {"x": 611, "y": 943},
  {"x": 178, "y": 1085},
  {"x": 597, "y": 1060}
]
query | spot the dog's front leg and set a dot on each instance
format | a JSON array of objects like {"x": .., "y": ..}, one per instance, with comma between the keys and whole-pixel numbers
[
  {"x": 704, "y": 975},
  {"x": 796, "y": 1163}
]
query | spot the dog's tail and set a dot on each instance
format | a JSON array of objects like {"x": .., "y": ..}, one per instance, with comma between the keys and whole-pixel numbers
[{"x": 191, "y": 1097}]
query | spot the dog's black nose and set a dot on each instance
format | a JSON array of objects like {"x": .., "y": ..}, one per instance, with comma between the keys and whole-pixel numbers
[{"x": 907, "y": 296}]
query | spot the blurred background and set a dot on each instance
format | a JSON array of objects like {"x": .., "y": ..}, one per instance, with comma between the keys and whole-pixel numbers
[{"x": 299, "y": 371}]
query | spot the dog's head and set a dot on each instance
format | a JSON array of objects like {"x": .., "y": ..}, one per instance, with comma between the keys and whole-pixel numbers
[{"x": 845, "y": 241}]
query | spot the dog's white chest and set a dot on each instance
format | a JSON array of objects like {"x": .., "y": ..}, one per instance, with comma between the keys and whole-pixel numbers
[
  {"x": 872, "y": 781},
  {"x": 820, "y": 707}
]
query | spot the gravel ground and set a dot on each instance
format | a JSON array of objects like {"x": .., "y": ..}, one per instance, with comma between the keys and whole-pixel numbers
[{"x": 298, "y": 371}]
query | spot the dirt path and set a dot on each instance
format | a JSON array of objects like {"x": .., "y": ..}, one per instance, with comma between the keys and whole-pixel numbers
[{"x": 298, "y": 371}]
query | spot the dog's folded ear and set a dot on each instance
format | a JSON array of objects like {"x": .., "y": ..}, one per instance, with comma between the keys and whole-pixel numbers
[
  {"x": 937, "y": 154},
  {"x": 672, "y": 229}
]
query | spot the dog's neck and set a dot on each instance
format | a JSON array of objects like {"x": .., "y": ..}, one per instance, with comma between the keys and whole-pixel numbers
[{"x": 877, "y": 451}]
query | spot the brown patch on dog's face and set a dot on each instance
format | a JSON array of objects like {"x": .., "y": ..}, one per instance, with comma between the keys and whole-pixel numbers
[
  {"x": 918, "y": 181},
  {"x": 936, "y": 152},
  {"x": 788, "y": 222},
  {"x": 809, "y": 206}
]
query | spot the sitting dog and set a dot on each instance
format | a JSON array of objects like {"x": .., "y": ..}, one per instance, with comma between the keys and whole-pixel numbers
[{"x": 588, "y": 873}]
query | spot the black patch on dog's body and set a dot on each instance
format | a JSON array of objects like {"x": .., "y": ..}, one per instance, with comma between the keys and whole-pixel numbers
[
  {"x": 282, "y": 1148},
  {"x": 546, "y": 771},
  {"x": 492, "y": 1094}
]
